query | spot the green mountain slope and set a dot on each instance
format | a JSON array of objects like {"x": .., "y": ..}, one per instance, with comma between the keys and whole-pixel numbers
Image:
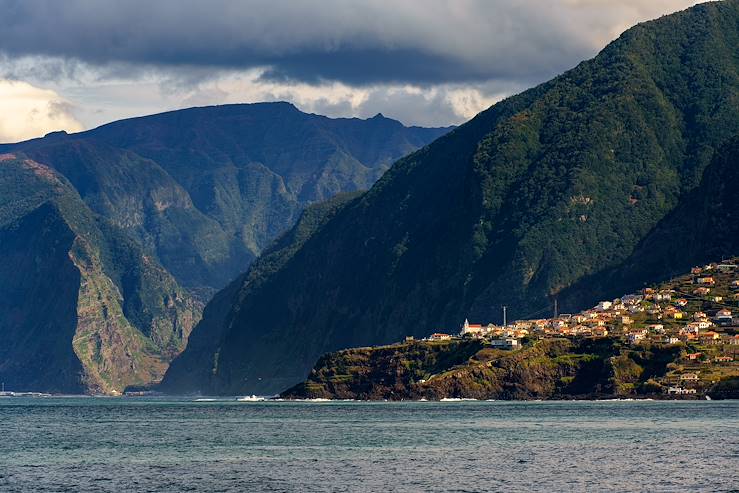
[
  {"x": 526, "y": 200},
  {"x": 704, "y": 226},
  {"x": 204, "y": 190},
  {"x": 82, "y": 307}
]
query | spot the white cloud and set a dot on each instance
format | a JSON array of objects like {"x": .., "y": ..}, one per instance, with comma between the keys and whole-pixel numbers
[{"x": 27, "y": 111}]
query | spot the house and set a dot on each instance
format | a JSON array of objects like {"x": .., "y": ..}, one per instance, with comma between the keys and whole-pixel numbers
[
  {"x": 699, "y": 316},
  {"x": 710, "y": 337},
  {"x": 723, "y": 317},
  {"x": 708, "y": 280},
  {"x": 636, "y": 337},
  {"x": 682, "y": 302},
  {"x": 508, "y": 343},
  {"x": 626, "y": 320},
  {"x": 680, "y": 390},
  {"x": 677, "y": 315},
  {"x": 696, "y": 270},
  {"x": 693, "y": 356},
  {"x": 658, "y": 328},
  {"x": 726, "y": 267},
  {"x": 734, "y": 340},
  {"x": 688, "y": 329},
  {"x": 702, "y": 291},
  {"x": 700, "y": 325},
  {"x": 723, "y": 359},
  {"x": 672, "y": 340},
  {"x": 603, "y": 306},
  {"x": 600, "y": 332},
  {"x": 655, "y": 312},
  {"x": 723, "y": 314},
  {"x": 438, "y": 336},
  {"x": 718, "y": 299},
  {"x": 630, "y": 299},
  {"x": 689, "y": 377}
]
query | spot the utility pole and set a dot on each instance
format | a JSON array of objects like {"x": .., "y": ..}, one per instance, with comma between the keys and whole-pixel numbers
[{"x": 505, "y": 323}]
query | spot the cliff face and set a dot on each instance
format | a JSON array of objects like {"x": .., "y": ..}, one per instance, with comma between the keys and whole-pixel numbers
[
  {"x": 549, "y": 369},
  {"x": 82, "y": 309},
  {"x": 519, "y": 206}
]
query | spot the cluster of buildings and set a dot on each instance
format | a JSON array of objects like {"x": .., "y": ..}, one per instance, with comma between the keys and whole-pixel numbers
[{"x": 699, "y": 309}]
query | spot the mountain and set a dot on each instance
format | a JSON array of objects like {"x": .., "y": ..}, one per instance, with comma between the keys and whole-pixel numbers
[
  {"x": 206, "y": 189},
  {"x": 112, "y": 239},
  {"x": 82, "y": 307},
  {"x": 527, "y": 200}
]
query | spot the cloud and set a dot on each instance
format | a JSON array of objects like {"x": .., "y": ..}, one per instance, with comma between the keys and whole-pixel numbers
[
  {"x": 357, "y": 43},
  {"x": 424, "y": 62},
  {"x": 27, "y": 111}
]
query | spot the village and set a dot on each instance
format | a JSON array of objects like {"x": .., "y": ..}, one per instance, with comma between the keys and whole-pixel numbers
[{"x": 698, "y": 312}]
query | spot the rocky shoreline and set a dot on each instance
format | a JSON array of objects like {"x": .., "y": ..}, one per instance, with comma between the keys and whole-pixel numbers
[{"x": 554, "y": 369}]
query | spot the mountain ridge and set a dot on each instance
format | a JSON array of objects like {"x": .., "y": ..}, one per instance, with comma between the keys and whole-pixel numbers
[{"x": 205, "y": 189}]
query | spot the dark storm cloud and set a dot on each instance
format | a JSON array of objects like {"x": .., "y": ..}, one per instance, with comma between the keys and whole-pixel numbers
[{"x": 370, "y": 42}]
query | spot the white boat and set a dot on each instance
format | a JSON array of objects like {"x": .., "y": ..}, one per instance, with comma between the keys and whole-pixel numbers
[{"x": 250, "y": 398}]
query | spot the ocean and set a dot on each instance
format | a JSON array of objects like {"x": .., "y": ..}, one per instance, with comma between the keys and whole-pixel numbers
[{"x": 156, "y": 445}]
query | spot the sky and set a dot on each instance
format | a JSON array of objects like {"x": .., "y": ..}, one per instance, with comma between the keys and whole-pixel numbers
[{"x": 77, "y": 64}]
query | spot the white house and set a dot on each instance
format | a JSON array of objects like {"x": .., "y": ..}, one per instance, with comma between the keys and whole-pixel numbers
[
  {"x": 604, "y": 305},
  {"x": 508, "y": 343}
]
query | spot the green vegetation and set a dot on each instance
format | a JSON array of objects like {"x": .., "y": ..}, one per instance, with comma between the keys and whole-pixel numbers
[
  {"x": 548, "y": 369},
  {"x": 82, "y": 308},
  {"x": 531, "y": 200}
]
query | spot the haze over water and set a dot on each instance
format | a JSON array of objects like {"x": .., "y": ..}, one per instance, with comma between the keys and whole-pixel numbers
[{"x": 98, "y": 444}]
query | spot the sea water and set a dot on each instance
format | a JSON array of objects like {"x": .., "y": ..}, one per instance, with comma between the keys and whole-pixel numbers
[{"x": 147, "y": 444}]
